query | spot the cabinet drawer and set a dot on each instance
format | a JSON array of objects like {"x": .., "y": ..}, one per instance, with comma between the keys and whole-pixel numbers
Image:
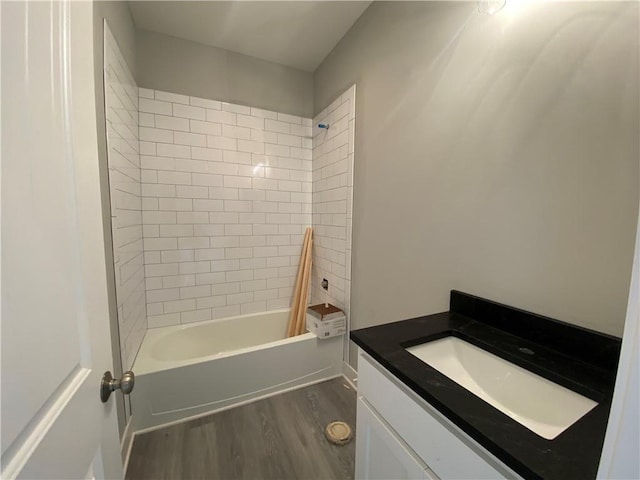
[{"x": 448, "y": 451}]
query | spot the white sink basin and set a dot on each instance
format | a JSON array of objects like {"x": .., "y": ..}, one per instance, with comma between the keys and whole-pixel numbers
[{"x": 542, "y": 406}]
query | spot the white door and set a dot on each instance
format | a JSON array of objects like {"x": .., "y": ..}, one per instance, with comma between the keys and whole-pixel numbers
[
  {"x": 55, "y": 324},
  {"x": 622, "y": 443}
]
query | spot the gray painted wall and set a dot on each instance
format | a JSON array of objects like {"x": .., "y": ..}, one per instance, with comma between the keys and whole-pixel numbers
[
  {"x": 121, "y": 24},
  {"x": 497, "y": 155},
  {"x": 181, "y": 66}
]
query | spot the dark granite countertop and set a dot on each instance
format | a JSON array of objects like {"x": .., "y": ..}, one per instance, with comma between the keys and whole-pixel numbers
[{"x": 577, "y": 358}]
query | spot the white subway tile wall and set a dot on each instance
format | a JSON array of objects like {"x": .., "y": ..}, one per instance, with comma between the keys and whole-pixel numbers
[
  {"x": 333, "y": 153},
  {"x": 121, "y": 106},
  {"x": 226, "y": 197}
]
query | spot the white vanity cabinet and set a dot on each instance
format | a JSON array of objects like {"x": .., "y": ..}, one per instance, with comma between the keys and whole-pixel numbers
[{"x": 401, "y": 436}]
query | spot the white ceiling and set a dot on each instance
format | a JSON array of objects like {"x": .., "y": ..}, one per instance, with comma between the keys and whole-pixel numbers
[{"x": 299, "y": 34}]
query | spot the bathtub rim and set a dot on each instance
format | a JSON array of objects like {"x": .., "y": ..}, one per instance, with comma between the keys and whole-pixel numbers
[{"x": 154, "y": 335}]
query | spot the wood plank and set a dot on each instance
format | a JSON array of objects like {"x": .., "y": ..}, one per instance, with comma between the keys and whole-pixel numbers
[
  {"x": 295, "y": 304},
  {"x": 301, "y": 314},
  {"x": 279, "y": 437}
]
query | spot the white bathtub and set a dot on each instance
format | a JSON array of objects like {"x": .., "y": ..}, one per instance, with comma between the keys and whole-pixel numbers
[{"x": 184, "y": 371}]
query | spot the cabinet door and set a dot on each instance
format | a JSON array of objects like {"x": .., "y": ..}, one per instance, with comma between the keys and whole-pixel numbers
[{"x": 380, "y": 453}]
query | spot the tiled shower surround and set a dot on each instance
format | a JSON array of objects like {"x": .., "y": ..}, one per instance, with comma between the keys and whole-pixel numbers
[
  {"x": 333, "y": 153},
  {"x": 226, "y": 198},
  {"x": 121, "y": 96},
  {"x": 210, "y": 201}
]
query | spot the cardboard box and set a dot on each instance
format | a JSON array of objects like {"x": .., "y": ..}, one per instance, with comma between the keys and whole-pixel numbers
[
  {"x": 325, "y": 311},
  {"x": 327, "y": 328}
]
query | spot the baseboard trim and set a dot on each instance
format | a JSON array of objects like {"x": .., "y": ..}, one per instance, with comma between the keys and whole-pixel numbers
[{"x": 350, "y": 374}]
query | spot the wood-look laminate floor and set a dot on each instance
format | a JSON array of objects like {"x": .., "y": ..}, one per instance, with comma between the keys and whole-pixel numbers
[{"x": 281, "y": 437}]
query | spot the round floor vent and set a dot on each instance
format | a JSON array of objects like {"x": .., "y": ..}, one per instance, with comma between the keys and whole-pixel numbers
[{"x": 338, "y": 433}]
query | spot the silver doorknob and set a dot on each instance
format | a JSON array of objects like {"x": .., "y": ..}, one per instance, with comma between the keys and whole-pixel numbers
[{"x": 110, "y": 384}]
